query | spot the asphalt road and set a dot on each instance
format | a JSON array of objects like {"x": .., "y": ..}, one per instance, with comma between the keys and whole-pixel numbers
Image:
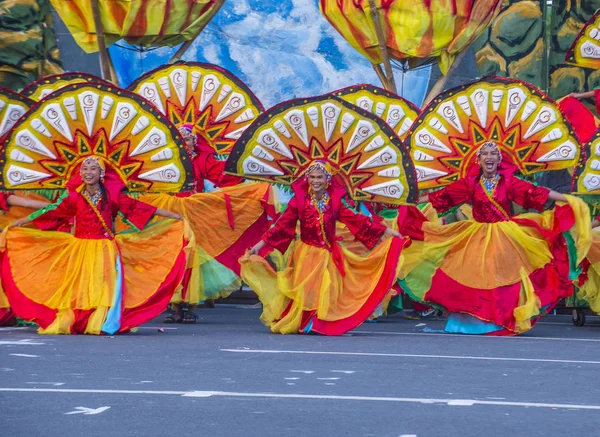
[{"x": 228, "y": 376}]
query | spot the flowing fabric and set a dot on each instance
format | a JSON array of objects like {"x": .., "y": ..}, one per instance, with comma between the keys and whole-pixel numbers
[
  {"x": 93, "y": 282},
  {"x": 7, "y": 216},
  {"x": 225, "y": 223},
  {"x": 322, "y": 287},
  {"x": 311, "y": 294},
  {"x": 501, "y": 270},
  {"x": 590, "y": 289}
]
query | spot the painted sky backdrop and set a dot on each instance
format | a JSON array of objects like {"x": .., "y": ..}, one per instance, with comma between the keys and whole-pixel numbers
[{"x": 281, "y": 48}]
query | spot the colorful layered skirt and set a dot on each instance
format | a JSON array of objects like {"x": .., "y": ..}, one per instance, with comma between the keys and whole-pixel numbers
[
  {"x": 320, "y": 291},
  {"x": 225, "y": 222},
  {"x": 69, "y": 285},
  {"x": 498, "y": 278},
  {"x": 7, "y": 316}
]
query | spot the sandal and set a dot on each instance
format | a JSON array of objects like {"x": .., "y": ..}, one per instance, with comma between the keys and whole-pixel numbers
[
  {"x": 189, "y": 318},
  {"x": 174, "y": 318}
]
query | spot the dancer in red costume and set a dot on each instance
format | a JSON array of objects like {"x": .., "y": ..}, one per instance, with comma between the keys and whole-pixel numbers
[
  {"x": 329, "y": 151},
  {"x": 238, "y": 217},
  {"x": 206, "y": 165},
  {"x": 463, "y": 267},
  {"x": 324, "y": 288},
  {"x": 212, "y": 108},
  {"x": 96, "y": 281},
  {"x": 80, "y": 280}
]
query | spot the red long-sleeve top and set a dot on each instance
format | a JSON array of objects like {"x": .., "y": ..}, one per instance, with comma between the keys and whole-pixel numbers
[
  {"x": 284, "y": 230},
  {"x": 88, "y": 224},
  {"x": 490, "y": 208},
  {"x": 207, "y": 166}
]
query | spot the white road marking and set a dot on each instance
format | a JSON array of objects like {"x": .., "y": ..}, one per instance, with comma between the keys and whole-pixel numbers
[
  {"x": 328, "y": 379},
  {"x": 347, "y": 372},
  {"x": 55, "y": 384},
  {"x": 208, "y": 394},
  {"x": 443, "y": 334},
  {"x": 24, "y": 342},
  {"x": 291, "y": 379},
  {"x": 88, "y": 411},
  {"x": 308, "y": 372},
  {"x": 15, "y": 328},
  {"x": 25, "y": 355},
  {"x": 158, "y": 327},
  {"x": 376, "y": 354}
]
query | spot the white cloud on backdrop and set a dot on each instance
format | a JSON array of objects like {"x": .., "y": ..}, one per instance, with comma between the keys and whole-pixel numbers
[{"x": 281, "y": 48}]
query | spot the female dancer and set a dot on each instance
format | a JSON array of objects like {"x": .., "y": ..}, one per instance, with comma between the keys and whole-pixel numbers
[
  {"x": 93, "y": 281},
  {"x": 238, "y": 218},
  {"x": 324, "y": 288},
  {"x": 496, "y": 273}
]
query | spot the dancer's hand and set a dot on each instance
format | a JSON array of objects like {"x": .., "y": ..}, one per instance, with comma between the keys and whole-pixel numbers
[
  {"x": 20, "y": 222},
  {"x": 389, "y": 232},
  {"x": 257, "y": 247}
]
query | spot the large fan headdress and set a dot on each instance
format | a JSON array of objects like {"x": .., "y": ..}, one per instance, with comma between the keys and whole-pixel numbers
[
  {"x": 585, "y": 50},
  {"x": 43, "y": 87},
  {"x": 213, "y": 100},
  {"x": 396, "y": 111},
  {"x": 362, "y": 150},
  {"x": 125, "y": 132},
  {"x": 12, "y": 107},
  {"x": 525, "y": 123}
]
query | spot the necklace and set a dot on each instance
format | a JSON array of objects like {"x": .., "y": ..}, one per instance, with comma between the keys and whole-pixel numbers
[
  {"x": 94, "y": 198},
  {"x": 490, "y": 183},
  {"x": 320, "y": 203}
]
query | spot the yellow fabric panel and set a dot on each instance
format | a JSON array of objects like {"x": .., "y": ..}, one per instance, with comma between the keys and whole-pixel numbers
[
  {"x": 581, "y": 232},
  {"x": 529, "y": 304}
]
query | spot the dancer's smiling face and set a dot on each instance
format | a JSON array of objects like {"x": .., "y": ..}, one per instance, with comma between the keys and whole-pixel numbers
[
  {"x": 91, "y": 173},
  {"x": 489, "y": 160},
  {"x": 317, "y": 179}
]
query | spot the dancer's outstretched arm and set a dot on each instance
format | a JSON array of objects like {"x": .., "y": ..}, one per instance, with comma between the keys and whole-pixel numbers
[{"x": 24, "y": 202}]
